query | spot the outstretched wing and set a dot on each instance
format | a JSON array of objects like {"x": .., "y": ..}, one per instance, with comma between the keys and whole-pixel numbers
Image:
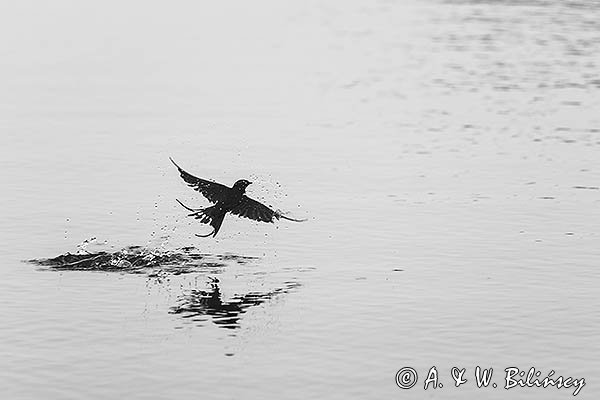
[
  {"x": 213, "y": 191},
  {"x": 249, "y": 208}
]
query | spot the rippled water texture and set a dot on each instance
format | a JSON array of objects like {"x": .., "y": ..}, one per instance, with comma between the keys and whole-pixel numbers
[
  {"x": 159, "y": 266},
  {"x": 445, "y": 154}
]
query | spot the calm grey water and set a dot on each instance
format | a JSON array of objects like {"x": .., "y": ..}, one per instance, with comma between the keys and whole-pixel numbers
[{"x": 446, "y": 155}]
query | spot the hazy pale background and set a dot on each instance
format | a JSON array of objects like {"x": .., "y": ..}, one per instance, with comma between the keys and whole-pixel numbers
[{"x": 445, "y": 153}]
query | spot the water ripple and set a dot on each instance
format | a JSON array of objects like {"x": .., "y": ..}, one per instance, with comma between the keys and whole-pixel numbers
[{"x": 196, "y": 305}]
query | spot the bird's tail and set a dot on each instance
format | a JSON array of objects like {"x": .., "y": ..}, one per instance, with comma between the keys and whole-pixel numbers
[
  {"x": 292, "y": 219},
  {"x": 174, "y": 163},
  {"x": 279, "y": 214},
  {"x": 217, "y": 218},
  {"x": 213, "y": 216},
  {"x": 189, "y": 208}
]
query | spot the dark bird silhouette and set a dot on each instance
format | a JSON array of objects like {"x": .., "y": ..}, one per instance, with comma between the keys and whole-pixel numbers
[{"x": 226, "y": 199}]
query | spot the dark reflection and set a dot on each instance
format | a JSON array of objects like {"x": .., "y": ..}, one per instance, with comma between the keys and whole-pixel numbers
[
  {"x": 202, "y": 305},
  {"x": 141, "y": 260}
]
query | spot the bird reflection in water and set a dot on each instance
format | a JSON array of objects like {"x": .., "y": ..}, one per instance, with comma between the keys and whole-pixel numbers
[{"x": 202, "y": 305}]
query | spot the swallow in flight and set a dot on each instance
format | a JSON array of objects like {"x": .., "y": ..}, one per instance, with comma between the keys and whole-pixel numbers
[{"x": 227, "y": 200}]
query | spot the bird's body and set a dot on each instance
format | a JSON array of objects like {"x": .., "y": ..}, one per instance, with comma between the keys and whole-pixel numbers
[{"x": 226, "y": 200}]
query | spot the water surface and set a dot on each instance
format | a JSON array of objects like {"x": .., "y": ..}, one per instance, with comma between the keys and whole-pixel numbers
[{"x": 445, "y": 154}]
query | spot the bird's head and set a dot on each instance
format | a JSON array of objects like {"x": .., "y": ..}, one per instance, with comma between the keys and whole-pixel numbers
[{"x": 241, "y": 185}]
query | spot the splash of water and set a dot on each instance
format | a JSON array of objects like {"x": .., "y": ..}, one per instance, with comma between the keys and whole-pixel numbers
[{"x": 138, "y": 259}]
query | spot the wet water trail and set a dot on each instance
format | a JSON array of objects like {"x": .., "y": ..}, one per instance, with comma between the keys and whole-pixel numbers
[{"x": 159, "y": 266}]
